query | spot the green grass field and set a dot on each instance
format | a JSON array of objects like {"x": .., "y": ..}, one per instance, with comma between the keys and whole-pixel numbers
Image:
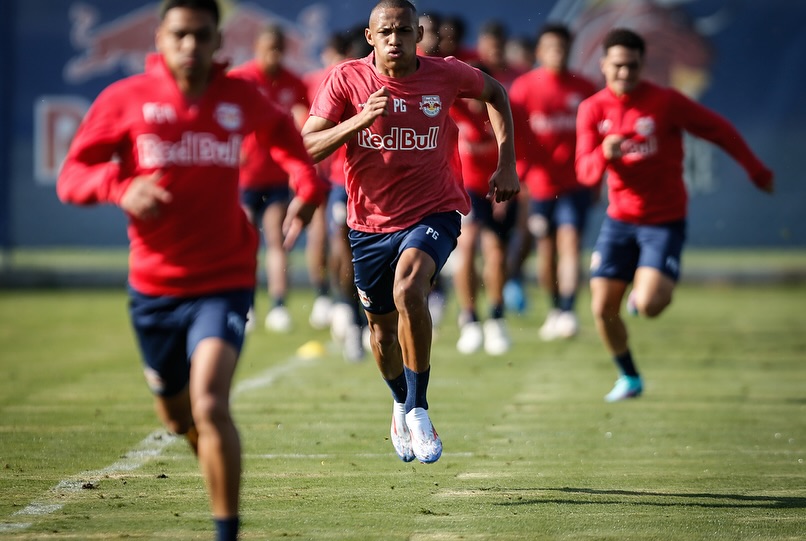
[{"x": 715, "y": 449}]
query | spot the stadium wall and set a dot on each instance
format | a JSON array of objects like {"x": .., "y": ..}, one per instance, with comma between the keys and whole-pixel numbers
[{"x": 743, "y": 59}]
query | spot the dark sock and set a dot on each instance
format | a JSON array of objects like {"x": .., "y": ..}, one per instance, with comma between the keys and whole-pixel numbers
[
  {"x": 417, "y": 386},
  {"x": 279, "y": 301},
  {"x": 322, "y": 289},
  {"x": 226, "y": 529},
  {"x": 555, "y": 301},
  {"x": 625, "y": 364},
  {"x": 399, "y": 387},
  {"x": 467, "y": 316},
  {"x": 497, "y": 311},
  {"x": 566, "y": 302}
]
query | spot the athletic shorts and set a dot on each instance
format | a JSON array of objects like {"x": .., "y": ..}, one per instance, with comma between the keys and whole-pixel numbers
[
  {"x": 375, "y": 256},
  {"x": 168, "y": 329},
  {"x": 336, "y": 208},
  {"x": 623, "y": 247},
  {"x": 481, "y": 213},
  {"x": 570, "y": 208},
  {"x": 257, "y": 201}
]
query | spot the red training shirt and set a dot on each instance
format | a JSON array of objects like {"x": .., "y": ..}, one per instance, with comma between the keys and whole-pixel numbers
[
  {"x": 645, "y": 186},
  {"x": 404, "y": 167},
  {"x": 202, "y": 241},
  {"x": 259, "y": 169},
  {"x": 544, "y": 109}
]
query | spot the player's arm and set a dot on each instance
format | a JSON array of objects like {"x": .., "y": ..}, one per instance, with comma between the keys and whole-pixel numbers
[
  {"x": 280, "y": 137},
  {"x": 91, "y": 174},
  {"x": 322, "y": 136},
  {"x": 711, "y": 126},
  {"x": 592, "y": 155},
  {"x": 504, "y": 183}
]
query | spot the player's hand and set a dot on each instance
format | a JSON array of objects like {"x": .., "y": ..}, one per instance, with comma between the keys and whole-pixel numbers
[
  {"x": 765, "y": 180},
  {"x": 377, "y": 105},
  {"x": 611, "y": 146},
  {"x": 144, "y": 198},
  {"x": 297, "y": 216},
  {"x": 504, "y": 184}
]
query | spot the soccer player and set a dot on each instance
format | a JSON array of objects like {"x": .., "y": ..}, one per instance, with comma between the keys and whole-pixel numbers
[
  {"x": 632, "y": 129},
  {"x": 544, "y": 107},
  {"x": 404, "y": 190},
  {"x": 488, "y": 226},
  {"x": 164, "y": 147},
  {"x": 265, "y": 183}
]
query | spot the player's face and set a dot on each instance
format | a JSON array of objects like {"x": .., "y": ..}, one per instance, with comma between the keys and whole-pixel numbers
[
  {"x": 621, "y": 68},
  {"x": 552, "y": 52},
  {"x": 188, "y": 38},
  {"x": 394, "y": 34},
  {"x": 269, "y": 51}
]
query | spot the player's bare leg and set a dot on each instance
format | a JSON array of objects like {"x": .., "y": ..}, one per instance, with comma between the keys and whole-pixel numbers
[
  {"x": 496, "y": 335},
  {"x": 276, "y": 267},
  {"x": 413, "y": 275},
  {"x": 316, "y": 258},
  {"x": 219, "y": 448},
  {"x": 567, "y": 276},
  {"x": 606, "y": 297},
  {"x": 465, "y": 284},
  {"x": 652, "y": 291},
  {"x": 174, "y": 412}
]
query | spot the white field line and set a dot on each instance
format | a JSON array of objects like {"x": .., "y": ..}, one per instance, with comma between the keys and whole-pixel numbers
[{"x": 150, "y": 447}]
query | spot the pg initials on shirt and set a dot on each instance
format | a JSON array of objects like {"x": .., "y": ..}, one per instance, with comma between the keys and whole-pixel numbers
[{"x": 398, "y": 105}]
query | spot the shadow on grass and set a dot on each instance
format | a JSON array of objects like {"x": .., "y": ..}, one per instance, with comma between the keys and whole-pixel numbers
[{"x": 660, "y": 499}]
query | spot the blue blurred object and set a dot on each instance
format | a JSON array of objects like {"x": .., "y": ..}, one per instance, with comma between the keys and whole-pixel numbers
[{"x": 514, "y": 297}]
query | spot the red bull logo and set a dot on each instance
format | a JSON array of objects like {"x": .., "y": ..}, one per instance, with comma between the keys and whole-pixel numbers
[
  {"x": 123, "y": 43},
  {"x": 431, "y": 105}
]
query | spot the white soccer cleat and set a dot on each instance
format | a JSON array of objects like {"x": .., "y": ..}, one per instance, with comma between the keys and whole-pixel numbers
[
  {"x": 250, "y": 320},
  {"x": 425, "y": 441},
  {"x": 496, "y": 337},
  {"x": 548, "y": 331},
  {"x": 399, "y": 433},
  {"x": 321, "y": 312},
  {"x": 566, "y": 325},
  {"x": 352, "y": 346},
  {"x": 436, "y": 307},
  {"x": 471, "y": 338},
  {"x": 278, "y": 320},
  {"x": 341, "y": 317}
]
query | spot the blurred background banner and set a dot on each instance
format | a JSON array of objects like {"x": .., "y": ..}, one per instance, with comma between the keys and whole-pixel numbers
[{"x": 743, "y": 58}]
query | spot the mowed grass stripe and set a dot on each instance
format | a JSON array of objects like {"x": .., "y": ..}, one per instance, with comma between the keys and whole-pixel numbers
[{"x": 714, "y": 450}]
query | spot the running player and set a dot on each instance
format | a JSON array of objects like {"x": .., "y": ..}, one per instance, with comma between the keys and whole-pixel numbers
[
  {"x": 404, "y": 190},
  {"x": 164, "y": 146},
  {"x": 633, "y": 130},
  {"x": 265, "y": 183},
  {"x": 544, "y": 107}
]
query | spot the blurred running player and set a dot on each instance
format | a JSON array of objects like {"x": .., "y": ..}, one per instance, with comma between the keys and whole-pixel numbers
[
  {"x": 544, "y": 107},
  {"x": 165, "y": 147},
  {"x": 633, "y": 130}
]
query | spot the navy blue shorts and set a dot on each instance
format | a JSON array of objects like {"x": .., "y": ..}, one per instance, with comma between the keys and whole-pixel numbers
[
  {"x": 168, "y": 329},
  {"x": 336, "y": 208},
  {"x": 482, "y": 213},
  {"x": 623, "y": 247},
  {"x": 570, "y": 208},
  {"x": 375, "y": 256},
  {"x": 257, "y": 201}
]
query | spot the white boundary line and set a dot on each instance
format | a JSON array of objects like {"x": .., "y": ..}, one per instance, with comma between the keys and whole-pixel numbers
[{"x": 150, "y": 447}]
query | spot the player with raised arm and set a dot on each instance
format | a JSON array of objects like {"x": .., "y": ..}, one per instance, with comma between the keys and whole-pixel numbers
[
  {"x": 165, "y": 147},
  {"x": 404, "y": 194},
  {"x": 632, "y": 129}
]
